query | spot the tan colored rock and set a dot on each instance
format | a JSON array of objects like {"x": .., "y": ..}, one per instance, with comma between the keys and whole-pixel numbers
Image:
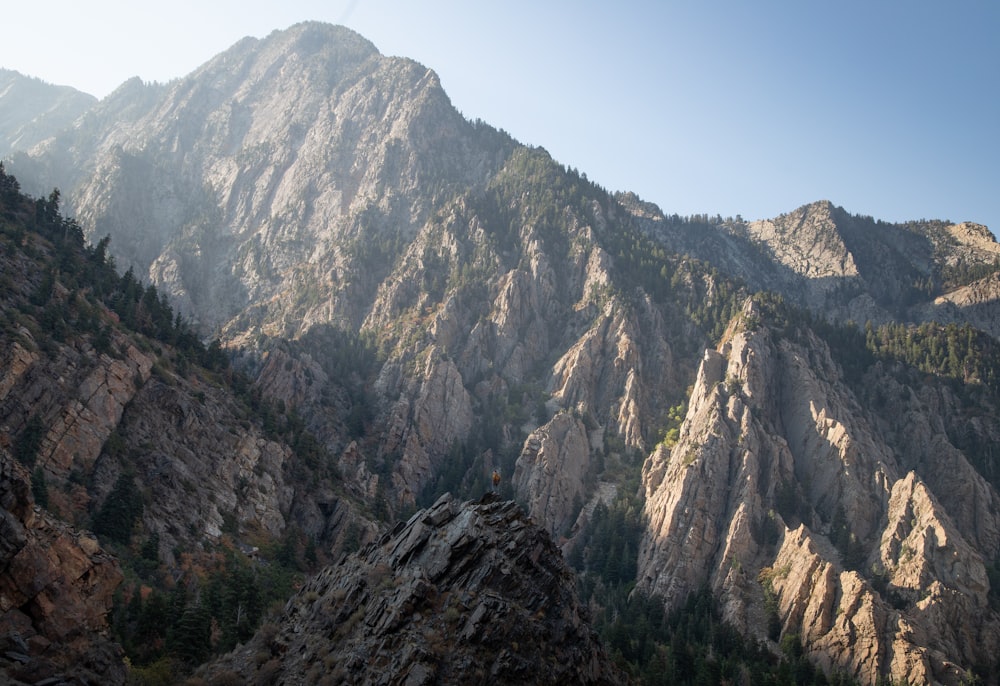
[
  {"x": 551, "y": 472},
  {"x": 601, "y": 371},
  {"x": 78, "y": 434},
  {"x": 773, "y": 441}
]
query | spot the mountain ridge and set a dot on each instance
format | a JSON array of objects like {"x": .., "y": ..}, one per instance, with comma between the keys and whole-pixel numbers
[{"x": 417, "y": 300}]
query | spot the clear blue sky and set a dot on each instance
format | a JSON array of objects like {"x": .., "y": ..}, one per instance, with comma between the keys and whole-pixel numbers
[{"x": 888, "y": 108}]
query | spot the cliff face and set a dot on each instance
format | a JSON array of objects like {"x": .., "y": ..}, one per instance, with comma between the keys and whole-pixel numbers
[
  {"x": 56, "y": 590},
  {"x": 461, "y": 593},
  {"x": 186, "y": 444},
  {"x": 809, "y": 515},
  {"x": 417, "y": 300}
]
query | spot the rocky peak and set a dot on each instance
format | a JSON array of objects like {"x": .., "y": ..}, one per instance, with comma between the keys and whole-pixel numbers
[
  {"x": 463, "y": 592},
  {"x": 808, "y": 243}
]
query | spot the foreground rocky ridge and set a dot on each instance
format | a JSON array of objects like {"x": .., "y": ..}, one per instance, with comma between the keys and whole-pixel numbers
[{"x": 462, "y": 593}]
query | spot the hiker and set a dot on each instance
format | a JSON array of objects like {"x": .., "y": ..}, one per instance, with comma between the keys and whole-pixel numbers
[{"x": 496, "y": 480}]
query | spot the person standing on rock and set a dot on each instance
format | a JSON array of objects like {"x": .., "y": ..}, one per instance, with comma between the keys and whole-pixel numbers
[{"x": 496, "y": 480}]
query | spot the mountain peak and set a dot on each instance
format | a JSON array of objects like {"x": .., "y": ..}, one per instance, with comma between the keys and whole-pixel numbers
[{"x": 308, "y": 36}]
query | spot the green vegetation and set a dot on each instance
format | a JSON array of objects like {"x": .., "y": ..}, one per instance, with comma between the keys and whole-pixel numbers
[
  {"x": 692, "y": 644},
  {"x": 122, "y": 508},
  {"x": 958, "y": 352},
  {"x": 29, "y": 441},
  {"x": 88, "y": 281},
  {"x": 168, "y": 619},
  {"x": 168, "y": 626}
]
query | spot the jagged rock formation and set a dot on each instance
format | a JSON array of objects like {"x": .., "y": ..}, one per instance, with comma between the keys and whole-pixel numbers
[
  {"x": 789, "y": 497},
  {"x": 56, "y": 588},
  {"x": 461, "y": 593},
  {"x": 432, "y": 300},
  {"x": 844, "y": 266}
]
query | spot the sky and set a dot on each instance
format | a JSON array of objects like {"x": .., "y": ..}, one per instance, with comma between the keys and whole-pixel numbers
[{"x": 889, "y": 108}]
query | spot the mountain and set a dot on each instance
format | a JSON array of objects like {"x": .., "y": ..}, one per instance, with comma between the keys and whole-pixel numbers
[
  {"x": 847, "y": 267},
  {"x": 842, "y": 511},
  {"x": 461, "y": 593},
  {"x": 405, "y": 301},
  {"x": 31, "y": 111}
]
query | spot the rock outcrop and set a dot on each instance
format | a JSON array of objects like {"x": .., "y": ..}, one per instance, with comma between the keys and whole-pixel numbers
[
  {"x": 462, "y": 593},
  {"x": 56, "y": 590},
  {"x": 784, "y": 494},
  {"x": 418, "y": 299}
]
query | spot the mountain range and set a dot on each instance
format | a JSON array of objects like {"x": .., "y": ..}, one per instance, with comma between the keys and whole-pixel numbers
[{"x": 793, "y": 417}]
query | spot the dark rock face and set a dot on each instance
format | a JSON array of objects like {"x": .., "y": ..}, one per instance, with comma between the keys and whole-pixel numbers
[
  {"x": 461, "y": 593},
  {"x": 56, "y": 588}
]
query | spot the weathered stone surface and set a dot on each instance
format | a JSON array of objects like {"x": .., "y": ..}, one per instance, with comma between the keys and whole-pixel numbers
[
  {"x": 551, "y": 472},
  {"x": 783, "y": 495},
  {"x": 461, "y": 593},
  {"x": 56, "y": 588}
]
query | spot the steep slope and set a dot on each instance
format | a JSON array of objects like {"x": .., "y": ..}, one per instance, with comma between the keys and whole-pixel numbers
[
  {"x": 261, "y": 176},
  {"x": 809, "y": 519},
  {"x": 462, "y": 593},
  {"x": 32, "y": 111},
  {"x": 108, "y": 416},
  {"x": 56, "y": 590},
  {"x": 100, "y": 400}
]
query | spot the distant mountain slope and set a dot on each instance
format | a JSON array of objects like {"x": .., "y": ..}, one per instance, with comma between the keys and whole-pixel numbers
[
  {"x": 32, "y": 111},
  {"x": 844, "y": 266},
  {"x": 418, "y": 300}
]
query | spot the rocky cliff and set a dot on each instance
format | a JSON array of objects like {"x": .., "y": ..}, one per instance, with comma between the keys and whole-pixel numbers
[
  {"x": 411, "y": 300},
  {"x": 461, "y": 593},
  {"x": 56, "y": 590},
  {"x": 812, "y": 513}
]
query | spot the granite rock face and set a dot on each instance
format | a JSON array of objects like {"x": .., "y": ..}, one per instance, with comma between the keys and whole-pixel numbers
[
  {"x": 431, "y": 299},
  {"x": 810, "y": 516},
  {"x": 462, "y": 593}
]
